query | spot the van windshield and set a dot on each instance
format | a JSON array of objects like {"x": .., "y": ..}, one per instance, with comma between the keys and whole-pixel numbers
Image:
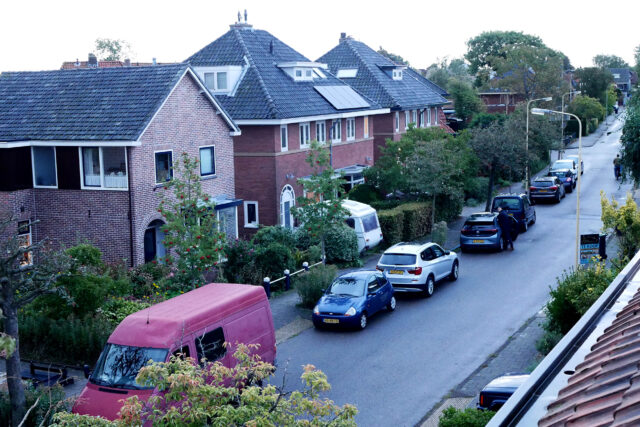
[
  {"x": 369, "y": 222},
  {"x": 119, "y": 365}
]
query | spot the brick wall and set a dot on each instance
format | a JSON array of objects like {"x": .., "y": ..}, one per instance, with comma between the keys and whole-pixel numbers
[{"x": 186, "y": 122}]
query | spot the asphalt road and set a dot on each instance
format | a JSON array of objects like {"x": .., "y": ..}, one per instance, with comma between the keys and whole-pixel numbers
[{"x": 405, "y": 362}]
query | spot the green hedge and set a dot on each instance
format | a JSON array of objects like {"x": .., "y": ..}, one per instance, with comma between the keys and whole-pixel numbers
[
  {"x": 453, "y": 417},
  {"x": 417, "y": 220},
  {"x": 392, "y": 225},
  {"x": 364, "y": 193}
]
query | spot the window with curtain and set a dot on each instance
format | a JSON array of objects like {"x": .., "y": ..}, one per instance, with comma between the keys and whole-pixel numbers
[
  {"x": 164, "y": 166},
  {"x": 207, "y": 161}
]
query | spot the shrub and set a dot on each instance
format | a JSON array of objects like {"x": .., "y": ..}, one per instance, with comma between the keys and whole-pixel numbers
[
  {"x": 51, "y": 400},
  {"x": 274, "y": 234},
  {"x": 364, "y": 193},
  {"x": 341, "y": 245},
  {"x": 448, "y": 208},
  {"x": 72, "y": 340},
  {"x": 240, "y": 266},
  {"x": 452, "y": 417},
  {"x": 312, "y": 284},
  {"x": 386, "y": 204},
  {"x": 304, "y": 239},
  {"x": 439, "y": 233},
  {"x": 392, "y": 225},
  {"x": 86, "y": 255},
  {"x": 476, "y": 188},
  {"x": 417, "y": 220},
  {"x": 272, "y": 260},
  {"x": 144, "y": 276},
  {"x": 577, "y": 290},
  {"x": 116, "y": 309},
  {"x": 549, "y": 340}
]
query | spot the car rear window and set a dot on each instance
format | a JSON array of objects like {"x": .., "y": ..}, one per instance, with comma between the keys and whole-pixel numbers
[
  {"x": 511, "y": 203},
  {"x": 479, "y": 224},
  {"x": 542, "y": 183},
  {"x": 398, "y": 259},
  {"x": 561, "y": 174},
  {"x": 561, "y": 164},
  {"x": 370, "y": 222}
]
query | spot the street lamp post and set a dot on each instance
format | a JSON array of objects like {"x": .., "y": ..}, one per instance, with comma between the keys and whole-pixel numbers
[
  {"x": 526, "y": 145},
  {"x": 543, "y": 111},
  {"x": 575, "y": 92}
]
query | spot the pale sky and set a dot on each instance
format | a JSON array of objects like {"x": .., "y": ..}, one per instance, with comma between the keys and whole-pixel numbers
[{"x": 40, "y": 35}]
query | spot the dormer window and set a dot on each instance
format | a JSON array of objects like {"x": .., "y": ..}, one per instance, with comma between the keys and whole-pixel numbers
[
  {"x": 303, "y": 71},
  {"x": 397, "y": 74},
  {"x": 220, "y": 79},
  {"x": 216, "y": 81}
]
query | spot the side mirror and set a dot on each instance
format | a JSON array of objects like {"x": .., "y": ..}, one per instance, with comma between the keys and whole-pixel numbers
[
  {"x": 448, "y": 253},
  {"x": 87, "y": 371}
]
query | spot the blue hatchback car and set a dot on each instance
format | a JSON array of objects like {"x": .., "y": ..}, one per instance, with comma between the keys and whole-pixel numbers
[{"x": 352, "y": 298}]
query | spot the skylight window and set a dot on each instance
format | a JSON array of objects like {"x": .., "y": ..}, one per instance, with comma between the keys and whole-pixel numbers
[{"x": 347, "y": 73}]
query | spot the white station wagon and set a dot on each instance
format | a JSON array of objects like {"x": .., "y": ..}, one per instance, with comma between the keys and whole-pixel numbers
[{"x": 416, "y": 267}]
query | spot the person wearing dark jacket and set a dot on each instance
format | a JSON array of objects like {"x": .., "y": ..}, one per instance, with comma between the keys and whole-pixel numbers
[{"x": 505, "y": 223}]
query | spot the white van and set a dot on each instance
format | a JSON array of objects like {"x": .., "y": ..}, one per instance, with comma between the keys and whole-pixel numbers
[{"x": 364, "y": 220}]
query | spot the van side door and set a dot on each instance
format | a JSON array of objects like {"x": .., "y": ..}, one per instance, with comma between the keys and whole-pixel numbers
[{"x": 210, "y": 346}]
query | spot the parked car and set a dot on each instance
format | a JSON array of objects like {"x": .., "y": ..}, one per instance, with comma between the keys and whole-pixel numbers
[
  {"x": 352, "y": 298},
  {"x": 364, "y": 220},
  {"x": 482, "y": 231},
  {"x": 547, "y": 188},
  {"x": 566, "y": 164},
  {"x": 498, "y": 391},
  {"x": 416, "y": 267},
  {"x": 566, "y": 176},
  {"x": 195, "y": 324},
  {"x": 518, "y": 206},
  {"x": 576, "y": 159}
]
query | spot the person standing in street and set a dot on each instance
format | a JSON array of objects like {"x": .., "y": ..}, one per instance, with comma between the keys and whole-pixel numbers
[
  {"x": 505, "y": 223},
  {"x": 616, "y": 166}
]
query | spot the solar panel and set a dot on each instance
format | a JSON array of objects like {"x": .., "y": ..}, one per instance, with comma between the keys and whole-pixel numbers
[{"x": 342, "y": 97}]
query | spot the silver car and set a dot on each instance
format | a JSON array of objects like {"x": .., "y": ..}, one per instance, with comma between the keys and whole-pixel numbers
[{"x": 416, "y": 267}]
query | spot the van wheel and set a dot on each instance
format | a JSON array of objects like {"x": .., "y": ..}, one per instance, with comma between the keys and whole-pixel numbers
[
  {"x": 392, "y": 304},
  {"x": 363, "y": 321},
  {"x": 454, "y": 272},
  {"x": 429, "y": 287}
]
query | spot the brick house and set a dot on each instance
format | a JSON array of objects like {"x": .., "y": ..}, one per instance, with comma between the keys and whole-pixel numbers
[
  {"x": 282, "y": 101},
  {"x": 501, "y": 101},
  {"x": 85, "y": 153},
  {"x": 410, "y": 97}
]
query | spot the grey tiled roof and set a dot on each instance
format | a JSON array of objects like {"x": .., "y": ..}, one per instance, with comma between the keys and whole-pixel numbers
[
  {"x": 413, "y": 91},
  {"x": 104, "y": 104},
  {"x": 624, "y": 73},
  {"x": 266, "y": 91}
]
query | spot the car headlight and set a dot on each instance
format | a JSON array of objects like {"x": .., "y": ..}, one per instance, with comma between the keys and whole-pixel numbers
[
  {"x": 351, "y": 312},
  {"x": 316, "y": 310}
]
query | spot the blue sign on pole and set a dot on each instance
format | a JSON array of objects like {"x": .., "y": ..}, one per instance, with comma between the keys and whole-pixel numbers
[{"x": 589, "y": 248}]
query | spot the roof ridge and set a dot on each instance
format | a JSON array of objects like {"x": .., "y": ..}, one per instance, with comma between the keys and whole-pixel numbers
[
  {"x": 270, "y": 102},
  {"x": 368, "y": 67}
]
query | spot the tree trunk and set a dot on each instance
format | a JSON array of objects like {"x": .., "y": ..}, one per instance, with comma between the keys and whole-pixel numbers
[
  {"x": 14, "y": 382},
  {"x": 487, "y": 207}
]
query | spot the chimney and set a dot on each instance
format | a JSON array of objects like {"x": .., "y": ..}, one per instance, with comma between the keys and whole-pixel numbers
[
  {"x": 154, "y": 61},
  {"x": 343, "y": 37},
  {"x": 127, "y": 62},
  {"x": 93, "y": 61}
]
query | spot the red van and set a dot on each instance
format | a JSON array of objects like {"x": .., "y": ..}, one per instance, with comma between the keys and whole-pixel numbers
[{"x": 196, "y": 324}]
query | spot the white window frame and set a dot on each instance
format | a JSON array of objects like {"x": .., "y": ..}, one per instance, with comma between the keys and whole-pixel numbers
[
  {"x": 155, "y": 174},
  {"x": 422, "y": 118},
  {"x": 336, "y": 130},
  {"x": 287, "y": 188},
  {"x": 215, "y": 81},
  {"x": 406, "y": 120},
  {"x": 284, "y": 147},
  {"x": 435, "y": 113},
  {"x": 307, "y": 132},
  {"x": 24, "y": 241},
  {"x": 351, "y": 129},
  {"x": 100, "y": 157},
  {"x": 246, "y": 215},
  {"x": 33, "y": 167},
  {"x": 429, "y": 117},
  {"x": 397, "y": 121},
  {"x": 215, "y": 161},
  {"x": 414, "y": 117},
  {"x": 365, "y": 126},
  {"x": 323, "y": 125}
]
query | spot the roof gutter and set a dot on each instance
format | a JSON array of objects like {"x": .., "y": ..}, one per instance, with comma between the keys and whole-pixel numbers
[
  {"x": 312, "y": 118},
  {"x": 529, "y": 392},
  {"x": 67, "y": 143}
]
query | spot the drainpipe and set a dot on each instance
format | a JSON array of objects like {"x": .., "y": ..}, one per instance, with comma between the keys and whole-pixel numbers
[{"x": 130, "y": 204}]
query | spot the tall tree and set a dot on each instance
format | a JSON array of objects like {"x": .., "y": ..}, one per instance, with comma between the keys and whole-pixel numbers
[
  {"x": 392, "y": 56},
  {"x": 532, "y": 71},
  {"x": 442, "y": 72},
  {"x": 484, "y": 48},
  {"x": 321, "y": 210},
  {"x": 631, "y": 139},
  {"x": 636, "y": 57},
  {"x": 112, "y": 49},
  {"x": 27, "y": 270},
  {"x": 594, "y": 81},
  {"x": 609, "y": 61},
  {"x": 191, "y": 233},
  {"x": 586, "y": 108},
  {"x": 466, "y": 101}
]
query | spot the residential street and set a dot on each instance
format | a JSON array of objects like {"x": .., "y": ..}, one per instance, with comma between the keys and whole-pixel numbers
[{"x": 405, "y": 362}]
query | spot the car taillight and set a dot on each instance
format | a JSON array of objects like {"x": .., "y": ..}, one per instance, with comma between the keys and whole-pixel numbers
[
  {"x": 532, "y": 188},
  {"x": 379, "y": 268},
  {"x": 492, "y": 230},
  {"x": 553, "y": 187},
  {"x": 481, "y": 399},
  {"x": 417, "y": 271}
]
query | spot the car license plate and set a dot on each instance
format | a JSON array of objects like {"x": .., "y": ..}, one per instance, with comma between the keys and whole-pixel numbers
[
  {"x": 331, "y": 320},
  {"x": 542, "y": 191},
  {"x": 478, "y": 241},
  {"x": 396, "y": 271}
]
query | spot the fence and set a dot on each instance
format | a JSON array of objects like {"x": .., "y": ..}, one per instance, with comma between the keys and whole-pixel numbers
[{"x": 266, "y": 284}]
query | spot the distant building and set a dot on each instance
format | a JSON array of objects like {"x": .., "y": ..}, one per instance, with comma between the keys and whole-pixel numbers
[{"x": 93, "y": 62}]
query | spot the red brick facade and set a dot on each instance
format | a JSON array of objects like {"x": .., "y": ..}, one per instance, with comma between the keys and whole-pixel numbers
[
  {"x": 185, "y": 122},
  {"x": 263, "y": 169}
]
